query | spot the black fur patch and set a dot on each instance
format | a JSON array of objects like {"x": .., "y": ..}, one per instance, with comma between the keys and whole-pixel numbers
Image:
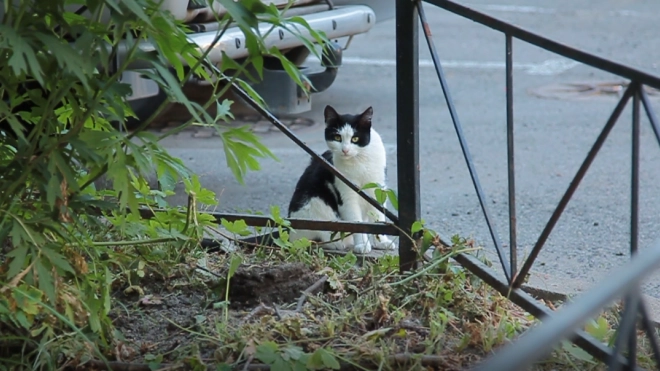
[{"x": 316, "y": 181}]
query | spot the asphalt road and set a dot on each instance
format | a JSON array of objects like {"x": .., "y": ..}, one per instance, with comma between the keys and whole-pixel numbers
[{"x": 552, "y": 135}]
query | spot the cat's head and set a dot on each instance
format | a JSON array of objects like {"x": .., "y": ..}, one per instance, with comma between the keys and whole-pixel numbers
[{"x": 347, "y": 135}]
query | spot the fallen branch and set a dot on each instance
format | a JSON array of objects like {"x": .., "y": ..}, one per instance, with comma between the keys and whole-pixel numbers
[
  {"x": 197, "y": 266},
  {"x": 310, "y": 290},
  {"x": 17, "y": 279},
  {"x": 248, "y": 362},
  {"x": 260, "y": 309}
]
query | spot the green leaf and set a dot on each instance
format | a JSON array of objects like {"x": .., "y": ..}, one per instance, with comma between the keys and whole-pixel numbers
[
  {"x": 46, "y": 281},
  {"x": 19, "y": 256},
  {"x": 416, "y": 227},
  {"x": 281, "y": 364},
  {"x": 577, "y": 352},
  {"x": 223, "y": 110},
  {"x": 291, "y": 69},
  {"x": 236, "y": 261},
  {"x": 394, "y": 199},
  {"x": 241, "y": 14},
  {"x": 329, "y": 359},
  {"x": 427, "y": 238},
  {"x": 220, "y": 305},
  {"x": 252, "y": 93},
  {"x": 267, "y": 352},
  {"x": 23, "y": 320},
  {"x": 292, "y": 352},
  {"x": 381, "y": 196},
  {"x": 370, "y": 185},
  {"x": 598, "y": 328},
  {"x": 57, "y": 260},
  {"x": 317, "y": 360},
  {"x": 136, "y": 9},
  {"x": 301, "y": 365},
  {"x": 238, "y": 227}
]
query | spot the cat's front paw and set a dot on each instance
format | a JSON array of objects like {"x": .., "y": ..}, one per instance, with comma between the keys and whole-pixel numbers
[
  {"x": 382, "y": 242},
  {"x": 362, "y": 248}
]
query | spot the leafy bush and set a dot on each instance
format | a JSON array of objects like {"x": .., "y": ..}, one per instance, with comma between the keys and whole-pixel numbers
[{"x": 66, "y": 245}]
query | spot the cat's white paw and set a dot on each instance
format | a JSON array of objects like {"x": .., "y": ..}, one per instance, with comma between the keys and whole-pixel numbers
[
  {"x": 362, "y": 248},
  {"x": 382, "y": 242},
  {"x": 334, "y": 245}
]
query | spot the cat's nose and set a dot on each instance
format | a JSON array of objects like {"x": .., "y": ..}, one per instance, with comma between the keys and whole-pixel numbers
[{"x": 345, "y": 150}]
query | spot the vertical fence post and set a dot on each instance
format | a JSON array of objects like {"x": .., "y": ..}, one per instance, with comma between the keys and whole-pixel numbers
[
  {"x": 634, "y": 181},
  {"x": 513, "y": 244},
  {"x": 407, "y": 123}
]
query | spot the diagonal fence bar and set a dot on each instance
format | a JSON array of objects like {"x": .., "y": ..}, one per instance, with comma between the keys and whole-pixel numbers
[
  {"x": 541, "y": 340},
  {"x": 626, "y": 334},
  {"x": 520, "y": 277},
  {"x": 655, "y": 124},
  {"x": 464, "y": 146}
]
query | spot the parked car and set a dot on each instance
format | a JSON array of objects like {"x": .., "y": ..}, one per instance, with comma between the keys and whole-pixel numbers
[{"x": 338, "y": 19}]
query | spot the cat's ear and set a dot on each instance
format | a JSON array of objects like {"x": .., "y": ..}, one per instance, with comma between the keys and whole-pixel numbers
[
  {"x": 330, "y": 115},
  {"x": 365, "y": 119}
]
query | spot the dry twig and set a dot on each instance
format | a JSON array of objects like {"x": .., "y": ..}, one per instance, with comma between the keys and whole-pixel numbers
[
  {"x": 260, "y": 309},
  {"x": 310, "y": 290}
]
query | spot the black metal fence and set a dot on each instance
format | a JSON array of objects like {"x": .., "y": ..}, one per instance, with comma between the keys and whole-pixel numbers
[
  {"x": 567, "y": 323},
  {"x": 539, "y": 341}
]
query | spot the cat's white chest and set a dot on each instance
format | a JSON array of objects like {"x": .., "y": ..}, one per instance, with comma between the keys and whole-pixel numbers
[{"x": 364, "y": 173}]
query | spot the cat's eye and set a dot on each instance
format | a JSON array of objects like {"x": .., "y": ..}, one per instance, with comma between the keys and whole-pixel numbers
[
  {"x": 354, "y": 139},
  {"x": 338, "y": 138}
]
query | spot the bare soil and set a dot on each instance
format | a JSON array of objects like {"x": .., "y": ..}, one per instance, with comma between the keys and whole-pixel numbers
[{"x": 165, "y": 315}]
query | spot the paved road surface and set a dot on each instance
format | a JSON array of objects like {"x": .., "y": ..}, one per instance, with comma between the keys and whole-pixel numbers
[{"x": 552, "y": 136}]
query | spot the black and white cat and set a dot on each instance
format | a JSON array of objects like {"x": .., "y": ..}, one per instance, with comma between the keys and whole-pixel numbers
[{"x": 356, "y": 150}]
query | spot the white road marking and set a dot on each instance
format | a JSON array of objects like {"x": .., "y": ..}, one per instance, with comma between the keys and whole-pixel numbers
[
  {"x": 540, "y": 10},
  {"x": 545, "y": 68},
  {"x": 514, "y": 8}
]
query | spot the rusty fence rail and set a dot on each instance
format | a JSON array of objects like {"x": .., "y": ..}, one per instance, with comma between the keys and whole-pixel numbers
[{"x": 567, "y": 323}]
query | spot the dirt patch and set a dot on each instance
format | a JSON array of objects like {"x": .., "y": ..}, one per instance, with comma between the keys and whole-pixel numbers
[
  {"x": 301, "y": 311},
  {"x": 277, "y": 284},
  {"x": 166, "y": 317}
]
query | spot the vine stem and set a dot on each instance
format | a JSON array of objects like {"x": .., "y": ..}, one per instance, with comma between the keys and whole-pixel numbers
[
  {"x": 129, "y": 243},
  {"x": 432, "y": 265}
]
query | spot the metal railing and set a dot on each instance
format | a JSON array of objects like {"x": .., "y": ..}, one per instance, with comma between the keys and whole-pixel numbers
[{"x": 546, "y": 337}]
